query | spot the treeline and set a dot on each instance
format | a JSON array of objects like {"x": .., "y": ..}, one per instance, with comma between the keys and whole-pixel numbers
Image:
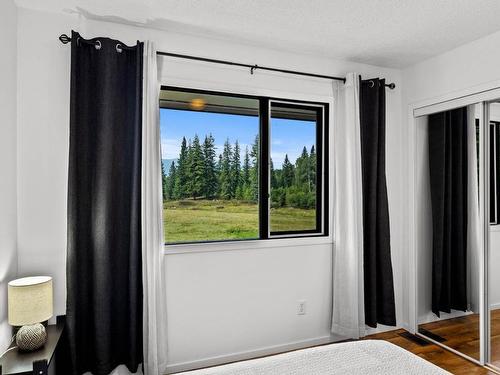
[
  {"x": 199, "y": 173},
  {"x": 294, "y": 185}
]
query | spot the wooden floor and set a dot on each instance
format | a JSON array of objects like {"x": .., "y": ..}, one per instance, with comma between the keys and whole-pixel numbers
[
  {"x": 432, "y": 353},
  {"x": 495, "y": 337},
  {"x": 462, "y": 334}
]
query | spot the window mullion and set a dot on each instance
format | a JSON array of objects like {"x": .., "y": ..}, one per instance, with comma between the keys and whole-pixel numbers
[{"x": 264, "y": 169}]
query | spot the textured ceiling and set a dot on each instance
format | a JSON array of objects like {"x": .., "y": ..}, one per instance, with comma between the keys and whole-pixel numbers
[{"x": 392, "y": 33}]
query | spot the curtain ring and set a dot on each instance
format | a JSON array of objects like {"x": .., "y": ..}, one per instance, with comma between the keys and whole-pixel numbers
[
  {"x": 118, "y": 48},
  {"x": 98, "y": 44},
  {"x": 372, "y": 83}
]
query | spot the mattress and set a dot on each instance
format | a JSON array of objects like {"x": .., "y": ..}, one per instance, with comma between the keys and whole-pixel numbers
[{"x": 373, "y": 357}]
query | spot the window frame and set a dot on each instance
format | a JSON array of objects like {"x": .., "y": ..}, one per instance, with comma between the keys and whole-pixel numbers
[
  {"x": 321, "y": 114},
  {"x": 264, "y": 206},
  {"x": 494, "y": 173}
]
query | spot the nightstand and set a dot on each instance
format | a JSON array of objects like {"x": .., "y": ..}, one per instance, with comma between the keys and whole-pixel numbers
[{"x": 39, "y": 362}]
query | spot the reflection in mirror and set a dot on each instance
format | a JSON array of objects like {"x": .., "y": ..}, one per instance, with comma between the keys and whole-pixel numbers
[
  {"x": 449, "y": 228},
  {"x": 494, "y": 241}
]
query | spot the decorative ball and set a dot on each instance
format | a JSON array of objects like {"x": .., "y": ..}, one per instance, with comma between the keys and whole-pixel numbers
[{"x": 31, "y": 337}]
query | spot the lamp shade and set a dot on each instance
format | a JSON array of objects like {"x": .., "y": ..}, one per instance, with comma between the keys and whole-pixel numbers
[{"x": 30, "y": 300}]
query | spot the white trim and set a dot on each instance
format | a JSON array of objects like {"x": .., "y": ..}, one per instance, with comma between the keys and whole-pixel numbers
[
  {"x": 431, "y": 318},
  {"x": 250, "y": 354},
  {"x": 463, "y": 101},
  {"x": 205, "y": 247},
  {"x": 495, "y": 306},
  {"x": 448, "y": 97},
  {"x": 412, "y": 245},
  {"x": 484, "y": 178}
]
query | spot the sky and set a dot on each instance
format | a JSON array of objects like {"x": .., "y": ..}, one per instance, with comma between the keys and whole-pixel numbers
[{"x": 287, "y": 136}]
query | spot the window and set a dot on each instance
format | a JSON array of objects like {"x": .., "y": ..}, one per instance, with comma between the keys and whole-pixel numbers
[
  {"x": 241, "y": 167},
  {"x": 495, "y": 172},
  {"x": 295, "y": 191},
  {"x": 494, "y": 169}
]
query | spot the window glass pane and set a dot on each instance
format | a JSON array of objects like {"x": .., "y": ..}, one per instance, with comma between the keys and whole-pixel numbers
[
  {"x": 209, "y": 157},
  {"x": 293, "y": 168}
]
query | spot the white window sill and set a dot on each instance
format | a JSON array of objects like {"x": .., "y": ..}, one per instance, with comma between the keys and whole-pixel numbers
[
  {"x": 495, "y": 228},
  {"x": 244, "y": 245}
]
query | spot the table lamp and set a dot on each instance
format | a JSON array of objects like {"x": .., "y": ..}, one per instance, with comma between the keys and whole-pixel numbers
[{"x": 29, "y": 304}]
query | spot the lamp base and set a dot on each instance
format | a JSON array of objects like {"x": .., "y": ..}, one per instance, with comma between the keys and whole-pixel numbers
[{"x": 31, "y": 337}]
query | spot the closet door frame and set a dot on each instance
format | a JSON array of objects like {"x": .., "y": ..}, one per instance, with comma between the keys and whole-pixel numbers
[{"x": 480, "y": 95}]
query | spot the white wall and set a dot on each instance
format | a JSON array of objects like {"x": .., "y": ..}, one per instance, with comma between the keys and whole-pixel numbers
[
  {"x": 8, "y": 252},
  {"x": 470, "y": 68},
  {"x": 219, "y": 303}
]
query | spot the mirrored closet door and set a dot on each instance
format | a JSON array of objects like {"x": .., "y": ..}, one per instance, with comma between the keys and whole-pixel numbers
[
  {"x": 456, "y": 202},
  {"x": 449, "y": 234}
]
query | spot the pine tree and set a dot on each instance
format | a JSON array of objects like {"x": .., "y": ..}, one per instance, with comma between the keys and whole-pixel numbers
[
  {"x": 312, "y": 166},
  {"x": 302, "y": 170},
  {"x": 274, "y": 181},
  {"x": 189, "y": 176},
  {"x": 170, "y": 182},
  {"x": 246, "y": 169},
  {"x": 254, "y": 170},
  {"x": 225, "y": 172},
  {"x": 210, "y": 183},
  {"x": 196, "y": 168},
  {"x": 163, "y": 181},
  {"x": 288, "y": 173},
  {"x": 235, "y": 170},
  {"x": 180, "y": 186}
]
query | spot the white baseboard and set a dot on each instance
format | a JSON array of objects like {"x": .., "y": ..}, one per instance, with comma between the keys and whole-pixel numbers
[
  {"x": 405, "y": 326},
  {"x": 431, "y": 317},
  {"x": 494, "y": 306},
  {"x": 380, "y": 329},
  {"x": 249, "y": 354}
]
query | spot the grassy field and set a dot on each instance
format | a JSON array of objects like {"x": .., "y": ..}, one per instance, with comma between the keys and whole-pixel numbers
[{"x": 204, "y": 220}]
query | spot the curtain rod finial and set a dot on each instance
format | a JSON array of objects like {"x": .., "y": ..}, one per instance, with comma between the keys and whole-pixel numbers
[
  {"x": 64, "y": 39},
  {"x": 392, "y": 85}
]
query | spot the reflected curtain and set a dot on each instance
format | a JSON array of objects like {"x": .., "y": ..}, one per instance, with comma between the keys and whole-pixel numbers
[
  {"x": 448, "y": 167},
  {"x": 104, "y": 268},
  {"x": 348, "y": 309},
  {"x": 378, "y": 275}
]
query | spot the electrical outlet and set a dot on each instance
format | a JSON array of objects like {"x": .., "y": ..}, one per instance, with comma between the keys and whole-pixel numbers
[{"x": 301, "y": 307}]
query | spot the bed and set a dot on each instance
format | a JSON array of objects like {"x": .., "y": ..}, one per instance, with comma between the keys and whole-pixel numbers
[{"x": 373, "y": 357}]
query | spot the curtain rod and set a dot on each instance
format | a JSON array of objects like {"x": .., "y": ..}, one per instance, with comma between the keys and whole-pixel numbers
[
  {"x": 255, "y": 67},
  {"x": 66, "y": 39}
]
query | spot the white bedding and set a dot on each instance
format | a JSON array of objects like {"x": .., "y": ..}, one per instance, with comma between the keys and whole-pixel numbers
[{"x": 372, "y": 357}]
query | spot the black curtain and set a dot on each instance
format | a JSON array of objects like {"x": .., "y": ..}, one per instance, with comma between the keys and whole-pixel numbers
[
  {"x": 448, "y": 182},
  {"x": 378, "y": 277},
  {"x": 104, "y": 270}
]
